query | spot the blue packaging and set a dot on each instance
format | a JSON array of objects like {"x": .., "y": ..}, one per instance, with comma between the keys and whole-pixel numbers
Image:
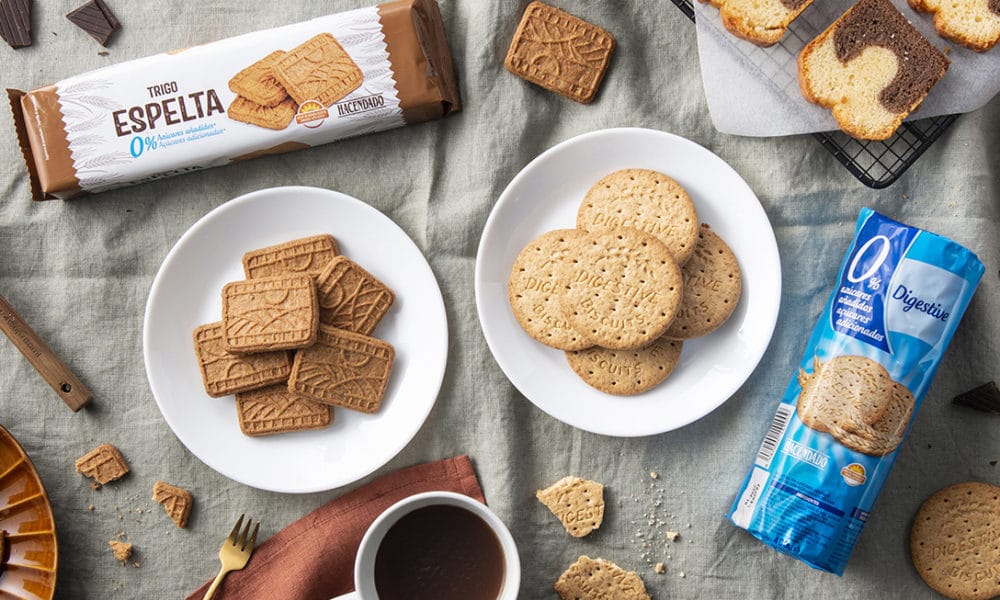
[{"x": 900, "y": 295}]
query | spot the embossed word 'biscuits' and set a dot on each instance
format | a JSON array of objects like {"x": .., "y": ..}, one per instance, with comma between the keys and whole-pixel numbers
[
  {"x": 257, "y": 83},
  {"x": 350, "y": 297},
  {"x": 560, "y": 52},
  {"x": 344, "y": 369},
  {"x": 645, "y": 200},
  {"x": 599, "y": 579},
  {"x": 319, "y": 69},
  {"x": 307, "y": 256},
  {"x": 622, "y": 288},
  {"x": 627, "y": 372},
  {"x": 279, "y": 313},
  {"x": 841, "y": 389},
  {"x": 533, "y": 290},
  {"x": 579, "y": 504},
  {"x": 276, "y": 410},
  {"x": 272, "y": 117},
  {"x": 103, "y": 464},
  {"x": 955, "y": 541},
  {"x": 176, "y": 501},
  {"x": 712, "y": 286},
  {"x": 224, "y": 373}
]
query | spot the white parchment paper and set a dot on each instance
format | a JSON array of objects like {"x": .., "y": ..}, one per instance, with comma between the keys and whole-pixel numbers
[{"x": 754, "y": 91}]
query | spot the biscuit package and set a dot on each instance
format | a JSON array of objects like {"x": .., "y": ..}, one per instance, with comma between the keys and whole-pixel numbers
[
  {"x": 900, "y": 295},
  {"x": 267, "y": 92}
]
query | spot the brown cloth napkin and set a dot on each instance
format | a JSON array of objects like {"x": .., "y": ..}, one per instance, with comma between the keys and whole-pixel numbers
[{"x": 313, "y": 558}]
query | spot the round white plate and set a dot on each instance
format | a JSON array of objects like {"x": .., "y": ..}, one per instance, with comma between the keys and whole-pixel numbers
[
  {"x": 187, "y": 293},
  {"x": 545, "y": 195}
]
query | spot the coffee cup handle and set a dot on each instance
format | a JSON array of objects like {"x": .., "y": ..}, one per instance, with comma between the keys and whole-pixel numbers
[{"x": 350, "y": 596}]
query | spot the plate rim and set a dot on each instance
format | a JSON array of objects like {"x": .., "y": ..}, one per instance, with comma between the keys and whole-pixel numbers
[
  {"x": 6, "y": 435},
  {"x": 562, "y": 146},
  {"x": 233, "y": 204}
]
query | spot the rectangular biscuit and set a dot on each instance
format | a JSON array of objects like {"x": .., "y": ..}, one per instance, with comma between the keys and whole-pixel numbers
[
  {"x": 560, "y": 52},
  {"x": 274, "y": 409},
  {"x": 224, "y": 373},
  {"x": 308, "y": 256},
  {"x": 350, "y": 297},
  {"x": 343, "y": 369},
  {"x": 272, "y": 117},
  {"x": 318, "y": 69},
  {"x": 278, "y": 313},
  {"x": 257, "y": 83}
]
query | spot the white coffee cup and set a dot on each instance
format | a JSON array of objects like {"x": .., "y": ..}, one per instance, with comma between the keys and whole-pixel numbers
[{"x": 364, "y": 563}]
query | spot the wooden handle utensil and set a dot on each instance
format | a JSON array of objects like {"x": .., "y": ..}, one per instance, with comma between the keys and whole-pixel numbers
[{"x": 63, "y": 381}]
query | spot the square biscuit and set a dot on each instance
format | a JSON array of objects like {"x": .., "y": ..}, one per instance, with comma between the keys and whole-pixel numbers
[
  {"x": 275, "y": 117},
  {"x": 257, "y": 83},
  {"x": 307, "y": 256},
  {"x": 274, "y": 409},
  {"x": 277, "y": 313},
  {"x": 343, "y": 369},
  {"x": 318, "y": 69},
  {"x": 224, "y": 373},
  {"x": 560, "y": 52},
  {"x": 351, "y": 298}
]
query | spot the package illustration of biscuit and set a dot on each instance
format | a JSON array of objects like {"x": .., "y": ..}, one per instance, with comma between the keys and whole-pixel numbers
[
  {"x": 900, "y": 295},
  {"x": 268, "y": 92}
]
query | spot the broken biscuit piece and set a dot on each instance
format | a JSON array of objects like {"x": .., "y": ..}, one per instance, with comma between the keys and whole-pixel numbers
[
  {"x": 599, "y": 579},
  {"x": 579, "y": 504},
  {"x": 175, "y": 500},
  {"x": 103, "y": 464},
  {"x": 122, "y": 550}
]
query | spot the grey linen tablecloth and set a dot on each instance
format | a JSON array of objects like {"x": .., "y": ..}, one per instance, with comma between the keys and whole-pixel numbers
[{"x": 80, "y": 271}]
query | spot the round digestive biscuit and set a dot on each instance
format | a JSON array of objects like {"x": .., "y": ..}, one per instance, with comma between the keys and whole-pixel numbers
[
  {"x": 626, "y": 372},
  {"x": 645, "y": 200},
  {"x": 843, "y": 388},
  {"x": 712, "y": 285},
  {"x": 533, "y": 291},
  {"x": 621, "y": 288},
  {"x": 955, "y": 541},
  {"x": 886, "y": 434}
]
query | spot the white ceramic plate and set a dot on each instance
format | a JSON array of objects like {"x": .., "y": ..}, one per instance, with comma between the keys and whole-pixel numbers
[
  {"x": 545, "y": 195},
  {"x": 187, "y": 293}
]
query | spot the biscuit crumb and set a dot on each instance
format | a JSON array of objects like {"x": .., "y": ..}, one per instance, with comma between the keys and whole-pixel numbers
[
  {"x": 682, "y": 575},
  {"x": 673, "y": 535},
  {"x": 659, "y": 568},
  {"x": 654, "y": 474},
  {"x": 90, "y": 508},
  {"x": 121, "y": 550}
]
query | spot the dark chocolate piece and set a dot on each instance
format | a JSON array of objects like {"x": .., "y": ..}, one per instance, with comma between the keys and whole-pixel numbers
[
  {"x": 15, "y": 22},
  {"x": 985, "y": 398},
  {"x": 95, "y": 18},
  {"x": 878, "y": 23}
]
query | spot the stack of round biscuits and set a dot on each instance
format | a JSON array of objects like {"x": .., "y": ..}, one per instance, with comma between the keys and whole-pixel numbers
[{"x": 621, "y": 292}]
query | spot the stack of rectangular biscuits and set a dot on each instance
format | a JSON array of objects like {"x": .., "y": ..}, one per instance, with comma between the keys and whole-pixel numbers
[
  {"x": 294, "y": 338},
  {"x": 271, "y": 90}
]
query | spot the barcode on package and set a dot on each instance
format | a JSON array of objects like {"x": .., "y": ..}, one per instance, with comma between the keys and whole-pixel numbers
[{"x": 777, "y": 429}]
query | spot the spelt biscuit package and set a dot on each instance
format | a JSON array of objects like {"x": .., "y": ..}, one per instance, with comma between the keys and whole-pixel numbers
[
  {"x": 267, "y": 92},
  {"x": 898, "y": 299}
]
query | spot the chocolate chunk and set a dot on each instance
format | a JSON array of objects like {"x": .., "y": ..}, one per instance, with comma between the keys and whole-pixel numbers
[
  {"x": 879, "y": 23},
  {"x": 15, "y": 22},
  {"x": 95, "y": 18},
  {"x": 985, "y": 398}
]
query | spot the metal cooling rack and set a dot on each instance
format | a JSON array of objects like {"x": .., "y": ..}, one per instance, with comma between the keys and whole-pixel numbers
[{"x": 875, "y": 164}]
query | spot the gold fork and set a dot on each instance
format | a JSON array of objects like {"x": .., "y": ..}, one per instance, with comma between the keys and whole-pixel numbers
[{"x": 235, "y": 552}]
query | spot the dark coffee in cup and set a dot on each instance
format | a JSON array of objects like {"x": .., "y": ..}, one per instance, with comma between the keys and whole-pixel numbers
[{"x": 439, "y": 552}]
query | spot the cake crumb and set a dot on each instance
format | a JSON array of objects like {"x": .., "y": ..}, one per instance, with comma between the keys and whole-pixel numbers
[{"x": 659, "y": 568}]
